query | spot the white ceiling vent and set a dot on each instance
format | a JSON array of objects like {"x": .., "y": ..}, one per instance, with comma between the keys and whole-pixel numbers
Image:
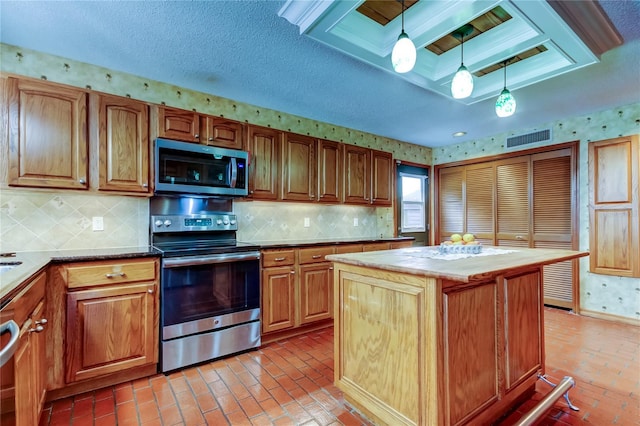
[{"x": 527, "y": 138}]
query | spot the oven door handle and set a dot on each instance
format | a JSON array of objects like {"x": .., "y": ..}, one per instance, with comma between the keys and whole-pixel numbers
[{"x": 178, "y": 262}]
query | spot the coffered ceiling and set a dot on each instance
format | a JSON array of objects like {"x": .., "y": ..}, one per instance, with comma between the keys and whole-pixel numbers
[
  {"x": 538, "y": 43},
  {"x": 333, "y": 64}
]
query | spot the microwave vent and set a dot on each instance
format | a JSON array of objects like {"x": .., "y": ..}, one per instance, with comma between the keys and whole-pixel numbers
[{"x": 527, "y": 138}]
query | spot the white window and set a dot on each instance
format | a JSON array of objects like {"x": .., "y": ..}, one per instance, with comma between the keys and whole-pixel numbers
[{"x": 413, "y": 203}]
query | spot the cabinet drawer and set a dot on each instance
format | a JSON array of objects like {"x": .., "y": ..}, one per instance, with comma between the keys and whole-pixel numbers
[
  {"x": 376, "y": 247},
  {"x": 348, "y": 248},
  {"x": 26, "y": 301},
  {"x": 278, "y": 257},
  {"x": 110, "y": 273},
  {"x": 314, "y": 254}
]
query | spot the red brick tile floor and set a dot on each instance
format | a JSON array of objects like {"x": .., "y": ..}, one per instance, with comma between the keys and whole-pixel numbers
[{"x": 291, "y": 383}]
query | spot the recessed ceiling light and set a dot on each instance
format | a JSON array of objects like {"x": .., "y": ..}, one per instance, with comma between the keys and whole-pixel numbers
[{"x": 458, "y": 134}]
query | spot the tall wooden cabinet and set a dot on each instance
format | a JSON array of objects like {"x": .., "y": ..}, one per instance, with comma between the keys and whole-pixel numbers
[
  {"x": 298, "y": 168},
  {"x": 523, "y": 201},
  {"x": 614, "y": 206},
  {"x": 264, "y": 150},
  {"x": 329, "y": 171},
  {"x": 368, "y": 176},
  {"x": 123, "y": 143},
  {"x": 48, "y": 136}
]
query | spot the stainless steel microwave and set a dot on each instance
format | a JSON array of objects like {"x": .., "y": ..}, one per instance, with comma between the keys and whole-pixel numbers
[{"x": 190, "y": 168}]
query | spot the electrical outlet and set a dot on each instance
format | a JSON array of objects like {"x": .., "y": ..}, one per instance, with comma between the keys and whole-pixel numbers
[
  {"x": 307, "y": 223},
  {"x": 355, "y": 221},
  {"x": 97, "y": 223}
]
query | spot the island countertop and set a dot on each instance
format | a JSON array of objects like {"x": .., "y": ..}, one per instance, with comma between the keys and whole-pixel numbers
[{"x": 426, "y": 261}]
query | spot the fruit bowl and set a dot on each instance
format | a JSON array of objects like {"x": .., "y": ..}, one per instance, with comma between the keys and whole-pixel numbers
[{"x": 459, "y": 248}]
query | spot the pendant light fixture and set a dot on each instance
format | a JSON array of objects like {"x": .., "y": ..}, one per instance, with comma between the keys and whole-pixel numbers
[
  {"x": 462, "y": 84},
  {"x": 506, "y": 103},
  {"x": 403, "y": 55}
]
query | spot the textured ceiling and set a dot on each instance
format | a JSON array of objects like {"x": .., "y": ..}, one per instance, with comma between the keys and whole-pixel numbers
[{"x": 243, "y": 50}]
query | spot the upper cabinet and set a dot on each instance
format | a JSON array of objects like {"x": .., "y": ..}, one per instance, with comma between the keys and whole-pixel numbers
[
  {"x": 329, "y": 172},
  {"x": 298, "y": 167},
  {"x": 189, "y": 126},
  {"x": 48, "y": 137},
  {"x": 368, "y": 176},
  {"x": 123, "y": 143},
  {"x": 614, "y": 206},
  {"x": 264, "y": 159}
]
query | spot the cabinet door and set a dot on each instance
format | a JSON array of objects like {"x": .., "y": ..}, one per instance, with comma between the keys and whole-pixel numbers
[
  {"x": 614, "y": 206},
  {"x": 264, "y": 150},
  {"x": 25, "y": 396},
  {"x": 523, "y": 343},
  {"x": 316, "y": 295},
  {"x": 39, "y": 359},
  {"x": 479, "y": 202},
  {"x": 178, "y": 124},
  {"x": 124, "y": 144},
  {"x": 278, "y": 298},
  {"x": 298, "y": 167},
  {"x": 329, "y": 171},
  {"x": 513, "y": 207},
  {"x": 48, "y": 139},
  {"x": 221, "y": 132},
  {"x": 357, "y": 175},
  {"x": 110, "y": 329},
  {"x": 450, "y": 202},
  {"x": 382, "y": 173}
]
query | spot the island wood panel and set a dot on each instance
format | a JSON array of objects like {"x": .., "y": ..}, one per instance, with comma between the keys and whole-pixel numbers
[
  {"x": 470, "y": 351},
  {"x": 387, "y": 336},
  {"x": 524, "y": 322}
]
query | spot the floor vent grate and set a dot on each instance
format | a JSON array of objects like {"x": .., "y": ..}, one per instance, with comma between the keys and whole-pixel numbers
[{"x": 539, "y": 136}]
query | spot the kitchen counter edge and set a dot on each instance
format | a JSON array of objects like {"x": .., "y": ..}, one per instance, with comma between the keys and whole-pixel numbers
[{"x": 324, "y": 242}]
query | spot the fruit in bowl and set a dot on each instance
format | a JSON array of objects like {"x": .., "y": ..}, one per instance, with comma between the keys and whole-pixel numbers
[{"x": 457, "y": 243}]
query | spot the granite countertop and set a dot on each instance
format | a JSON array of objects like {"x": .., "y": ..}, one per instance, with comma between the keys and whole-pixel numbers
[
  {"x": 33, "y": 262},
  {"x": 327, "y": 241},
  {"x": 428, "y": 262}
]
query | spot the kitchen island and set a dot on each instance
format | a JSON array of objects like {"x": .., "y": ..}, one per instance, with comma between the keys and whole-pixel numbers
[{"x": 423, "y": 338}]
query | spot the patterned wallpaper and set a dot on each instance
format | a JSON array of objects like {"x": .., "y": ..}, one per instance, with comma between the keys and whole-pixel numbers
[
  {"x": 16, "y": 60},
  {"x": 599, "y": 293}
]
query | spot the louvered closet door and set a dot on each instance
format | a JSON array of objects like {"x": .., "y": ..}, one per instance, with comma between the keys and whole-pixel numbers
[
  {"x": 451, "y": 202},
  {"x": 479, "y": 202},
  {"x": 552, "y": 226},
  {"x": 512, "y": 192}
]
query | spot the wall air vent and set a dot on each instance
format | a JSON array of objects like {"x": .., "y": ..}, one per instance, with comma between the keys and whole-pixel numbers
[{"x": 533, "y": 137}]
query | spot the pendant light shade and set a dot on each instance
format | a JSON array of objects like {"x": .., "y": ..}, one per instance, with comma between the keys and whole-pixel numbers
[
  {"x": 506, "y": 103},
  {"x": 462, "y": 83},
  {"x": 403, "y": 55}
]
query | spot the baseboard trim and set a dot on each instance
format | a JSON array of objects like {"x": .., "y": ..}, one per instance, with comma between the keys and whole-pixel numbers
[{"x": 610, "y": 317}]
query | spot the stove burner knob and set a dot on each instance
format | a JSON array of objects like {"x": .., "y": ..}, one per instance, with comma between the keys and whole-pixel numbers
[
  {"x": 167, "y": 222},
  {"x": 219, "y": 222},
  {"x": 158, "y": 222},
  {"x": 233, "y": 222},
  {"x": 226, "y": 221}
]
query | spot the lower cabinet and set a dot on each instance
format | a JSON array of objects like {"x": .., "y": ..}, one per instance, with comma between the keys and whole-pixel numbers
[{"x": 24, "y": 376}]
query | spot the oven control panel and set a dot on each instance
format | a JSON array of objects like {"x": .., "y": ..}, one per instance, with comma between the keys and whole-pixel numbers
[{"x": 194, "y": 222}]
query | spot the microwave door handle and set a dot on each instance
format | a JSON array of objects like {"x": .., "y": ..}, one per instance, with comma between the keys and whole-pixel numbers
[{"x": 234, "y": 173}]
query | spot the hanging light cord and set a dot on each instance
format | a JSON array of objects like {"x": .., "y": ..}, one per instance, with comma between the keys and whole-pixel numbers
[
  {"x": 505, "y": 73},
  {"x": 461, "y": 48},
  {"x": 402, "y": 13}
]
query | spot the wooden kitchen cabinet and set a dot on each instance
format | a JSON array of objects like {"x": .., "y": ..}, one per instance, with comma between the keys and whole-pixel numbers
[
  {"x": 24, "y": 381},
  {"x": 123, "y": 143},
  {"x": 48, "y": 135},
  {"x": 264, "y": 162},
  {"x": 329, "y": 171},
  {"x": 278, "y": 290},
  {"x": 190, "y": 126},
  {"x": 315, "y": 284},
  {"x": 614, "y": 206},
  {"x": 368, "y": 176},
  {"x": 298, "y": 167}
]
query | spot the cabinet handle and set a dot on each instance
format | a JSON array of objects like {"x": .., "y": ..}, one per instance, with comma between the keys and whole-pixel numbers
[
  {"x": 197, "y": 136},
  {"x": 316, "y": 256},
  {"x": 37, "y": 329},
  {"x": 279, "y": 259},
  {"x": 210, "y": 139},
  {"x": 150, "y": 291},
  {"x": 519, "y": 237},
  {"x": 144, "y": 185},
  {"x": 331, "y": 268},
  {"x": 292, "y": 272},
  {"x": 43, "y": 321},
  {"x": 115, "y": 274},
  {"x": 82, "y": 181}
]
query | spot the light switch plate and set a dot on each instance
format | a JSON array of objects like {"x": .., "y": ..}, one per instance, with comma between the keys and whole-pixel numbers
[
  {"x": 97, "y": 223},
  {"x": 355, "y": 221},
  {"x": 307, "y": 222}
]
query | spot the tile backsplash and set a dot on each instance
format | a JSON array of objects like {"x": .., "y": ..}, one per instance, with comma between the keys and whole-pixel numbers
[{"x": 38, "y": 220}]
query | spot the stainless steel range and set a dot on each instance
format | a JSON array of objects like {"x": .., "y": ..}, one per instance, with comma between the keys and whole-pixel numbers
[{"x": 210, "y": 283}]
